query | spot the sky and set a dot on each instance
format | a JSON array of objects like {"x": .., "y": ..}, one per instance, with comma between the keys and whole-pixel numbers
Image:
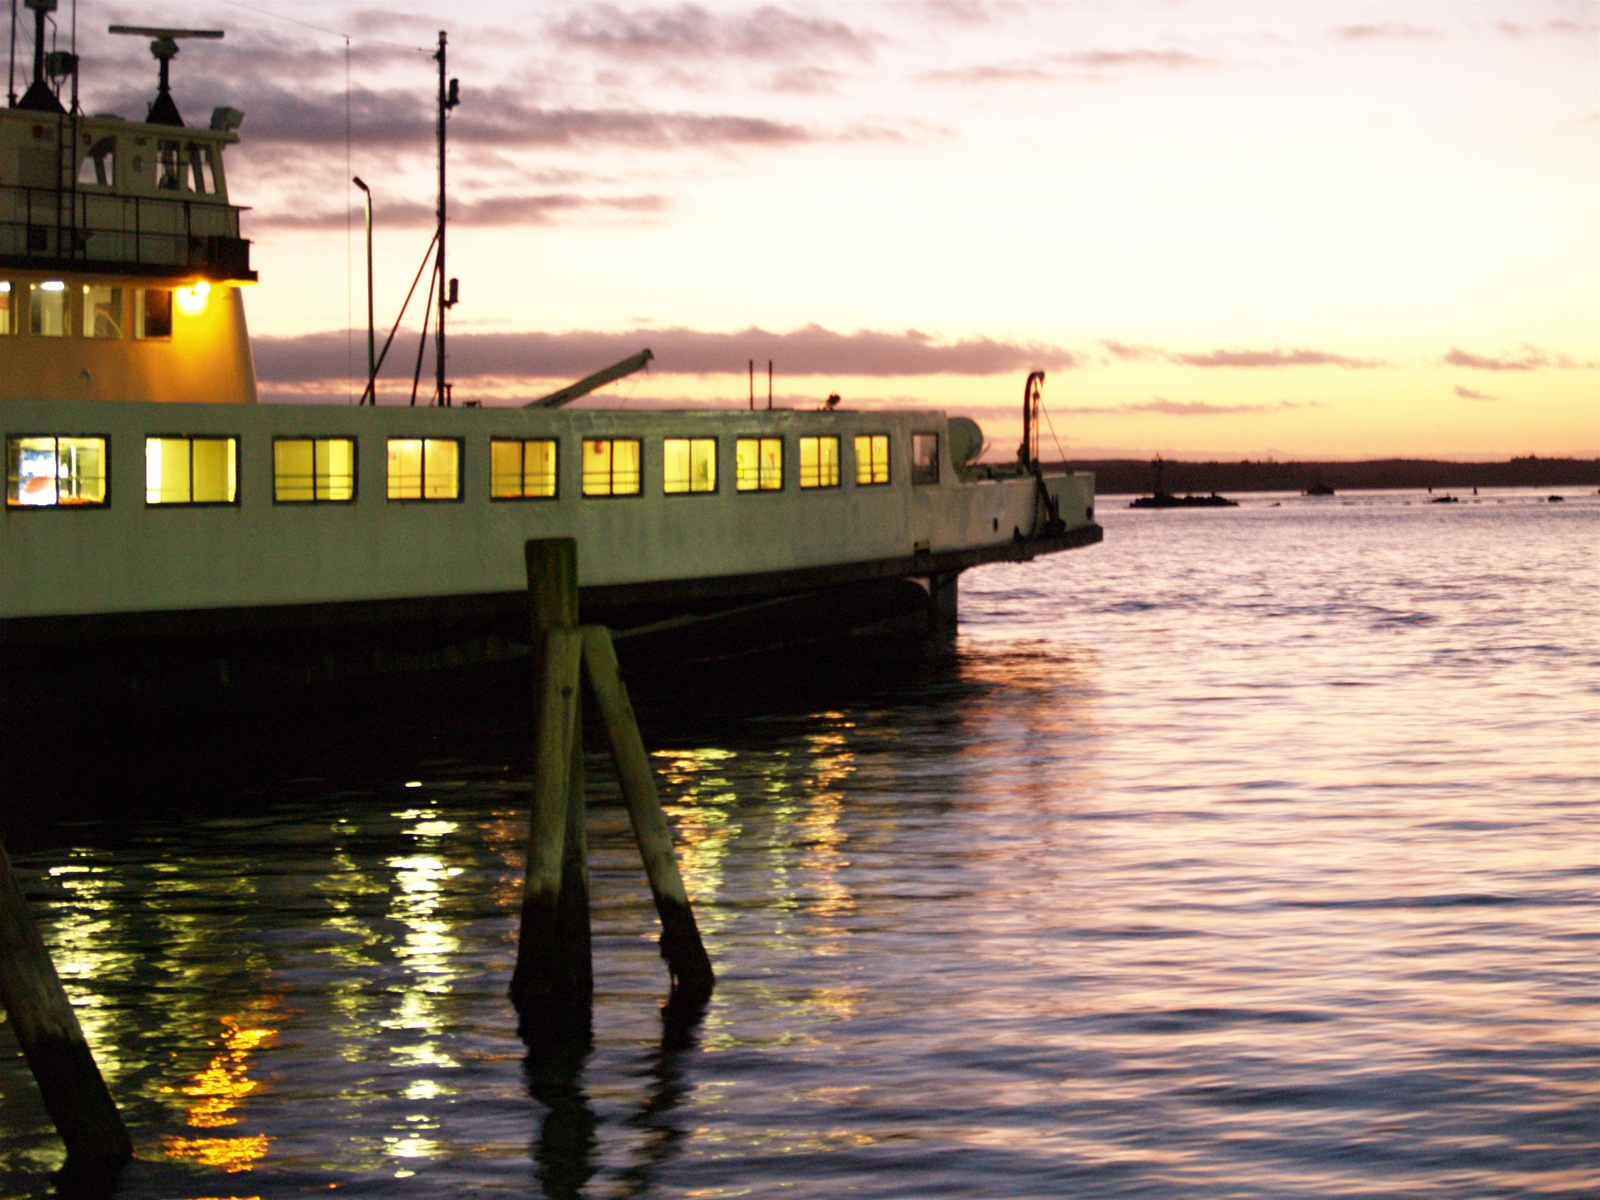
[{"x": 1245, "y": 230}]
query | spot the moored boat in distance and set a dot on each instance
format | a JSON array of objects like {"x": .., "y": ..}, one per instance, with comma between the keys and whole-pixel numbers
[
  {"x": 1160, "y": 497},
  {"x": 163, "y": 530}
]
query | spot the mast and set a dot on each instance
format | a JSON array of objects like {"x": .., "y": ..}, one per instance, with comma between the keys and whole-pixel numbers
[{"x": 449, "y": 97}]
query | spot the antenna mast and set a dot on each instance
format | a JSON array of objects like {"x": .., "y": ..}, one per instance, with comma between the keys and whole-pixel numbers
[
  {"x": 11, "y": 78},
  {"x": 449, "y": 97}
]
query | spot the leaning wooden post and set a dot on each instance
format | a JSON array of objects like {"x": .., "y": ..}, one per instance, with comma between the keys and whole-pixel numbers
[
  {"x": 554, "y": 968},
  {"x": 687, "y": 961},
  {"x": 75, "y": 1095}
]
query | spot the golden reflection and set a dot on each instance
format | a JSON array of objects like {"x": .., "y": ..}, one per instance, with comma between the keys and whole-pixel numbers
[
  {"x": 798, "y": 805},
  {"x": 225, "y": 1154},
  {"x": 824, "y": 862},
  {"x": 700, "y": 804},
  {"x": 217, "y": 1090},
  {"x": 223, "y": 1082}
]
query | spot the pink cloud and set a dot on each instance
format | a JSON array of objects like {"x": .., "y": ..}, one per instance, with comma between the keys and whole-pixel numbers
[{"x": 1240, "y": 359}]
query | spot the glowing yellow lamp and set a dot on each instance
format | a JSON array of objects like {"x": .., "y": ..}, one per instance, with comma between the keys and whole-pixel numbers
[{"x": 192, "y": 300}]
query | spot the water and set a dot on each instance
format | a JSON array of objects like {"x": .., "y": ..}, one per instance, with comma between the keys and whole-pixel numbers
[{"x": 1254, "y": 853}]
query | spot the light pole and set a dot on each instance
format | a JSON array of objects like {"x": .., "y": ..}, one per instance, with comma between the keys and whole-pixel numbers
[{"x": 370, "y": 396}]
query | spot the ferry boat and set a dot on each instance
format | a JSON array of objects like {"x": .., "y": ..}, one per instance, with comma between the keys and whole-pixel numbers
[{"x": 163, "y": 532}]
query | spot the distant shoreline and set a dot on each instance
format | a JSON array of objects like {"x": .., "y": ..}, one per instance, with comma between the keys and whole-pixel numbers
[{"x": 1134, "y": 477}]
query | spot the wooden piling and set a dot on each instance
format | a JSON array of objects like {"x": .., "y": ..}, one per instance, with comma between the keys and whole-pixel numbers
[
  {"x": 685, "y": 953},
  {"x": 554, "y": 970},
  {"x": 75, "y": 1095}
]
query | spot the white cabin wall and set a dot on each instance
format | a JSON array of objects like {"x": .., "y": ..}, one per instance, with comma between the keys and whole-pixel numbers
[{"x": 130, "y": 557}]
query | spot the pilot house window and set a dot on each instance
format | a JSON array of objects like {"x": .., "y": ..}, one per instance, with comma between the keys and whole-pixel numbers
[
  {"x": 309, "y": 470},
  {"x": 47, "y": 308},
  {"x": 99, "y": 165},
  {"x": 689, "y": 465},
  {"x": 191, "y": 470},
  {"x": 424, "y": 469},
  {"x": 523, "y": 469},
  {"x": 611, "y": 466},
  {"x": 152, "y": 313},
  {"x": 102, "y": 311},
  {"x": 819, "y": 462},
  {"x": 55, "y": 472}
]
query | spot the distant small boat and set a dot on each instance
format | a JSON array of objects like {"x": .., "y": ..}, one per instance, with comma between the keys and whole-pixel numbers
[
  {"x": 1319, "y": 489},
  {"x": 1444, "y": 500},
  {"x": 1557, "y": 499},
  {"x": 1159, "y": 497},
  {"x": 1168, "y": 500}
]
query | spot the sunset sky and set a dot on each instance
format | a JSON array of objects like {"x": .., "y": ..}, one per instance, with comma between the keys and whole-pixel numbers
[{"x": 1291, "y": 230}]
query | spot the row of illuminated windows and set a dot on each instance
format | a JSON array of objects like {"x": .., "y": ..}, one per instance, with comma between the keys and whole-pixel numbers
[
  {"x": 50, "y": 308},
  {"x": 51, "y": 471}
]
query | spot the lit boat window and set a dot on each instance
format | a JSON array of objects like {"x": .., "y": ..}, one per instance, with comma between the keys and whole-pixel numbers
[
  {"x": 102, "y": 311},
  {"x": 47, "y": 308},
  {"x": 522, "y": 469},
  {"x": 191, "y": 470},
  {"x": 758, "y": 464},
  {"x": 55, "y": 472},
  {"x": 8, "y": 323},
  {"x": 312, "y": 470},
  {"x": 424, "y": 469},
  {"x": 689, "y": 465},
  {"x": 819, "y": 462},
  {"x": 872, "y": 459},
  {"x": 611, "y": 466}
]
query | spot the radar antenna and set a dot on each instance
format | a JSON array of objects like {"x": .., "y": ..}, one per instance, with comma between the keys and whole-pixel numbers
[{"x": 164, "y": 46}]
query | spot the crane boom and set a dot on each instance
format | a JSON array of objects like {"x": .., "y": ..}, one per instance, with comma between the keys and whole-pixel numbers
[{"x": 599, "y": 379}]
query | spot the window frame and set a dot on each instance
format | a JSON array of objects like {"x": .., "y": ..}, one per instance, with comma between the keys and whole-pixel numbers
[
  {"x": 314, "y": 439},
  {"x": 522, "y": 470},
  {"x": 611, "y": 470},
  {"x": 37, "y": 287},
  {"x": 101, "y": 157},
  {"x": 689, "y": 489},
  {"x": 86, "y": 312},
  {"x": 759, "y": 486},
  {"x": 11, "y": 326},
  {"x": 872, "y": 462},
  {"x": 192, "y": 438},
  {"x": 103, "y": 438},
  {"x": 821, "y": 484},
  {"x": 140, "y": 317},
  {"x": 922, "y": 476},
  {"x": 422, "y": 483}
]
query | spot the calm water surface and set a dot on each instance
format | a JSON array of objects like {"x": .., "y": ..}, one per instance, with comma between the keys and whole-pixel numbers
[{"x": 1255, "y": 853}]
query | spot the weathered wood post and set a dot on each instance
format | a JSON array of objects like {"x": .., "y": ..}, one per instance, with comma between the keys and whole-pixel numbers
[
  {"x": 687, "y": 961},
  {"x": 554, "y": 972},
  {"x": 75, "y": 1095}
]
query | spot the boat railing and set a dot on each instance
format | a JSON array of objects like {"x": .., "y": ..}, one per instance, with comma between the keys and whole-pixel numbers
[{"x": 46, "y": 228}]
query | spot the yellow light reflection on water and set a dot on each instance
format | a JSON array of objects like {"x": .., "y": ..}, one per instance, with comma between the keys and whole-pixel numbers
[
  {"x": 217, "y": 1090},
  {"x": 84, "y": 947},
  {"x": 225, "y": 1154},
  {"x": 700, "y": 804}
]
